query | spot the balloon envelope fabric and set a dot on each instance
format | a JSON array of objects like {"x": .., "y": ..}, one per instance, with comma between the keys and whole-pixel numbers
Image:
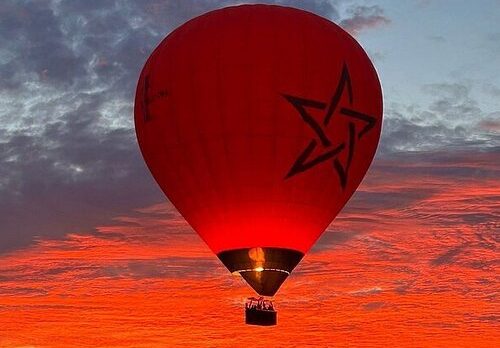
[{"x": 259, "y": 122}]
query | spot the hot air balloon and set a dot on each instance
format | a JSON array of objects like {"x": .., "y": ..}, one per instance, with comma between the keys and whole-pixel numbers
[{"x": 258, "y": 122}]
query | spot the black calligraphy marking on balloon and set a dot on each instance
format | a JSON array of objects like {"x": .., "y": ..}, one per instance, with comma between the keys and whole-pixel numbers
[
  {"x": 332, "y": 109},
  {"x": 148, "y": 99},
  {"x": 145, "y": 102}
]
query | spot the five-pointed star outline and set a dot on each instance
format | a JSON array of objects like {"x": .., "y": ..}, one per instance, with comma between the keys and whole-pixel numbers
[{"x": 304, "y": 161}]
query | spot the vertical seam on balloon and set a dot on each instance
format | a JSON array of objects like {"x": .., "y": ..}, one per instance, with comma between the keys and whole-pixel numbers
[
  {"x": 304, "y": 87},
  {"x": 274, "y": 117},
  {"x": 161, "y": 48},
  {"x": 220, "y": 102},
  {"x": 193, "y": 143},
  {"x": 187, "y": 186},
  {"x": 216, "y": 209},
  {"x": 251, "y": 138}
]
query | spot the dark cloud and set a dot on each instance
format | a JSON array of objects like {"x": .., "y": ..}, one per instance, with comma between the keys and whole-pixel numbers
[
  {"x": 73, "y": 186},
  {"x": 437, "y": 38},
  {"x": 449, "y": 256},
  {"x": 452, "y": 120},
  {"x": 364, "y": 17},
  {"x": 494, "y": 37},
  {"x": 163, "y": 14},
  {"x": 452, "y": 99},
  {"x": 493, "y": 318},
  {"x": 68, "y": 155},
  {"x": 333, "y": 238},
  {"x": 492, "y": 90},
  {"x": 490, "y": 124},
  {"x": 32, "y": 33},
  {"x": 381, "y": 200},
  {"x": 403, "y": 134},
  {"x": 367, "y": 291},
  {"x": 23, "y": 291},
  {"x": 463, "y": 254},
  {"x": 423, "y": 3},
  {"x": 373, "y": 306},
  {"x": 172, "y": 267}
]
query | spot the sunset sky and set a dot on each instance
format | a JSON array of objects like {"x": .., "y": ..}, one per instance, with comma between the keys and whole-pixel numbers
[{"x": 92, "y": 254}]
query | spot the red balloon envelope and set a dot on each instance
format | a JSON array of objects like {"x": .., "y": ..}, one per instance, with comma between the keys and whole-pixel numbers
[{"x": 259, "y": 123}]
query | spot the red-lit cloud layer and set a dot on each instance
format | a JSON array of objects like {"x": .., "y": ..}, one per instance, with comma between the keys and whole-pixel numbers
[{"x": 411, "y": 262}]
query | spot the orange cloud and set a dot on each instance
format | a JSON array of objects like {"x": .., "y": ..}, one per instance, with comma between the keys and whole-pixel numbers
[{"x": 409, "y": 263}]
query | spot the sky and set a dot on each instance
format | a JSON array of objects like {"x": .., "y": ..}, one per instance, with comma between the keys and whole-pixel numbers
[{"x": 93, "y": 255}]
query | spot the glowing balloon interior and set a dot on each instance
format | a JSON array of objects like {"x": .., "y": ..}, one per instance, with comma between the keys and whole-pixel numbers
[{"x": 259, "y": 123}]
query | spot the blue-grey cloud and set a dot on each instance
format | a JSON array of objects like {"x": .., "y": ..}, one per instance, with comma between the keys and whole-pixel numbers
[
  {"x": 68, "y": 70},
  {"x": 364, "y": 17},
  {"x": 453, "y": 120}
]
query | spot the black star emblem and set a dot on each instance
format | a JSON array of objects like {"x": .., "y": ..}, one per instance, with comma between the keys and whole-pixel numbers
[{"x": 330, "y": 150}]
